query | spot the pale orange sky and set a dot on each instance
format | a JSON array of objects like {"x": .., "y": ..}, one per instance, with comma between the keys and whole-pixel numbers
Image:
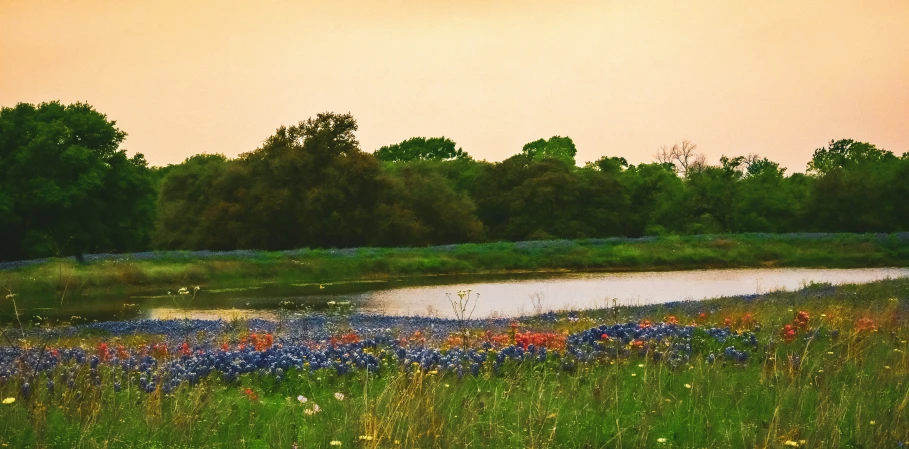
[{"x": 779, "y": 78}]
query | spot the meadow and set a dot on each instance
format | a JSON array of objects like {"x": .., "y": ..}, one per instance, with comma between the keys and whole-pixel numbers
[
  {"x": 820, "y": 367},
  {"x": 125, "y": 273}
]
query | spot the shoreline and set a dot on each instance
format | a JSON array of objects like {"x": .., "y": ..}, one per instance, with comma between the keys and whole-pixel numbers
[{"x": 133, "y": 273}]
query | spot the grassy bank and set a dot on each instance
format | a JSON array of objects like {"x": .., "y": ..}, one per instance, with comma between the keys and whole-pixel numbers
[
  {"x": 244, "y": 268},
  {"x": 729, "y": 374}
]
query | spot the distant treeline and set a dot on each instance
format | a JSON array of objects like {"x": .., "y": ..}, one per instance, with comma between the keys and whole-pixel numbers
[{"x": 67, "y": 188}]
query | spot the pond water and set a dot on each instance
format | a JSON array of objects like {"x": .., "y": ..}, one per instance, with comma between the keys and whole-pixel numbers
[{"x": 499, "y": 295}]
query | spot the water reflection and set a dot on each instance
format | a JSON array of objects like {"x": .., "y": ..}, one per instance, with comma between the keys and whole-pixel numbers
[
  {"x": 514, "y": 297},
  {"x": 500, "y": 295},
  {"x": 592, "y": 290}
]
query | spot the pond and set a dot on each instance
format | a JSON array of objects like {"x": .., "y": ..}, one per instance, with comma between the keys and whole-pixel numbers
[{"x": 499, "y": 295}]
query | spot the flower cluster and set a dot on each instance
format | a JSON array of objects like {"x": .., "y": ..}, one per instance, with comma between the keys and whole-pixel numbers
[
  {"x": 800, "y": 323},
  {"x": 547, "y": 340},
  {"x": 865, "y": 325},
  {"x": 188, "y": 351}
]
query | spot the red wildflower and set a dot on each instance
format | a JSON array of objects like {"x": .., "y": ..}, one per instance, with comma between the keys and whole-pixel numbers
[
  {"x": 748, "y": 320},
  {"x": 865, "y": 325},
  {"x": 801, "y": 320},
  {"x": 671, "y": 319},
  {"x": 102, "y": 352},
  {"x": 727, "y": 322},
  {"x": 788, "y": 333},
  {"x": 251, "y": 395},
  {"x": 645, "y": 323},
  {"x": 260, "y": 342},
  {"x": 184, "y": 349},
  {"x": 540, "y": 339},
  {"x": 350, "y": 337},
  {"x": 455, "y": 341},
  {"x": 500, "y": 340}
]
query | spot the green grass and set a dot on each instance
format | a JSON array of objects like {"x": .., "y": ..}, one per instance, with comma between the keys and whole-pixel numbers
[
  {"x": 124, "y": 275},
  {"x": 848, "y": 391}
]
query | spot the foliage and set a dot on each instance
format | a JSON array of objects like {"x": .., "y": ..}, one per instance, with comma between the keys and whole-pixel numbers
[
  {"x": 421, "y": 149},
  {"x": 65, "y": 185},
  {"x": 520, "y": 199},
  {"x": 557, "y": 147},
  {"x": 309, "y": 185},
  {"x": 66, "y": 188}
]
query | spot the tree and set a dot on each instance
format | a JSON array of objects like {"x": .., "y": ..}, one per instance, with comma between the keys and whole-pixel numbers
[
  {"x": 713, "y": 196},
  {"x": 655, "y": 197},
  {"x": 610, "y": 165},
  {"x": 66, "y": 187},
  {"x": 756, "y": 166},
  {"x": 519, "y": 199},
  {"x": 308, "y": 185},
  {"x": 766, "y": 200},
  {"x": 427, "y": 210},
  {"x": 557, "y": 147},
  {"x": 185, "y": 193},
  {"x": 421, "y": 149},
  {"x": 683, "y": 157},
  {"x": 846, "y": 153},
  {"x": 852, "y": 191}
]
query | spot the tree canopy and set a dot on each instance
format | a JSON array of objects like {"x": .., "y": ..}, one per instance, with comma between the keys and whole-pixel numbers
[
  {"x": 421, "y": 149},
  {"x": 310, "y": 185},
  {"x": 559, "y": 148},
  {"x": 66, "y": 186}
]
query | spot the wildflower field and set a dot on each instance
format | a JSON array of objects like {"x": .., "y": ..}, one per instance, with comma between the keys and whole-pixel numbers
[{"x": 821, "y": 367}]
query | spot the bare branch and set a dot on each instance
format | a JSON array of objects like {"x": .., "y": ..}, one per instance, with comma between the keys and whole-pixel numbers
[{"x": 683, "y": 157}]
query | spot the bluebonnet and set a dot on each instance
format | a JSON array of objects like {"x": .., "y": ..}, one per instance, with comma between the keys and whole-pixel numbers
[{"x": 303, "y": 345}]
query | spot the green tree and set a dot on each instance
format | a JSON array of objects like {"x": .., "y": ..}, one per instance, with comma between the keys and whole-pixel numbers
[
  {"x": 425, "y": 209},
  {"x": 557, "y": 147},
  {"x": 421, "y": 149},
  {"x": 309, "y": 185},
  {"x": 655, "y": 194},
  {"x": 520, "y": 199},
  {"x": 66, "y": 187},
  {"x": 767, "y": 200},
  {"x": 847, "y": 154},
  {"x": 899, "y": 192},
  {"x": 185, "y": 193},
  {"x": 852, "y": 191}
]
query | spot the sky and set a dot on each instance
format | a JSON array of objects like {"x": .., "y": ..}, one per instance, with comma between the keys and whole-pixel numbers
[{"x": 621, "y": 78}]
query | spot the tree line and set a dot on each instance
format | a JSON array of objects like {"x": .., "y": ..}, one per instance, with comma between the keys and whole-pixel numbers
[{"x": 66, "y": 187}]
